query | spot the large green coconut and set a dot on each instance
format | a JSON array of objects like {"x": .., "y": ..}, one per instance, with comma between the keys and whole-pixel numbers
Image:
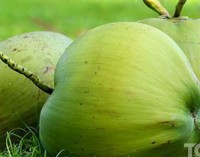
[
  {"x": 20, "y": 99},
  {"x": 122, "y": 89}
]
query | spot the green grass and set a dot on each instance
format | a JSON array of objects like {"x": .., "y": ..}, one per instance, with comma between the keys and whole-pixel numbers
[
  {"x": 71, "y": 17},
  {"x": 27, "y": 145}
]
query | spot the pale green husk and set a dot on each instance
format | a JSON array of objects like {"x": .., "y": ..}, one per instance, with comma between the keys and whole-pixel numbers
[
  {"x": 185, "y": 32},
  {"x": 122, "y": 89},
  {"x": 20, "y": 99}
]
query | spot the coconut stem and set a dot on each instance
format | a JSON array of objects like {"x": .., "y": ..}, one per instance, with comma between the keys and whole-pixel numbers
[
  {"x": 21, "y": 70},
  {"x": 156, "y": 6},
  {"x": 179, "y": 7}
]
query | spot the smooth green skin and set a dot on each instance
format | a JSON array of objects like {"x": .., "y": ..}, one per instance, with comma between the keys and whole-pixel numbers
[
  {"x": 122, "y": 89},
  {"x": 186, "y": 33},
  {"x": 20, "y": 99}
]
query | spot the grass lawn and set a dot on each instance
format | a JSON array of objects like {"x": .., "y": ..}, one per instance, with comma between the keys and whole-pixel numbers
[
  {"x": 71, "y": 17},
  {"x": 27, "y": 145}
]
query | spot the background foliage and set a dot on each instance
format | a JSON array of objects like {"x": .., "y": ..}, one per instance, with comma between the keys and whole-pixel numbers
[{"x": 73, "y": 17}]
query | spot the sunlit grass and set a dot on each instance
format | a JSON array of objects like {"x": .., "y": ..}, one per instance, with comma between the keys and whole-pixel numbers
[{"x": 72, "y": 17}]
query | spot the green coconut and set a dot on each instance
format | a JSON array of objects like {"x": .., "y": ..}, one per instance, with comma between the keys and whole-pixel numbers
[
  {"x": 185, "y": 32},
  {"x": 122, "y": 89},
  {"x": 20, "y": 99}
]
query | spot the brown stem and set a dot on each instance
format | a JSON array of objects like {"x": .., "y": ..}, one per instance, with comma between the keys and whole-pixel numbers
[
  {"x": 179, "y": 7},
  {"x": 21, "y": 70},
  {"x": 156, "y": 6}
]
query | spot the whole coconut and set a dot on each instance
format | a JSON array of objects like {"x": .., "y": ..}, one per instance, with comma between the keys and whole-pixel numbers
[
  {"x": 122, "y": 89},
  {"x": 20, "y": 99}
]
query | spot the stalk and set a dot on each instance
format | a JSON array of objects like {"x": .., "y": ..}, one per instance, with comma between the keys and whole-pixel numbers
[
  {"x": 27, "y": 73},
  {"x": 156, "y": 6},
  {"x": 179, "y": 7}
]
